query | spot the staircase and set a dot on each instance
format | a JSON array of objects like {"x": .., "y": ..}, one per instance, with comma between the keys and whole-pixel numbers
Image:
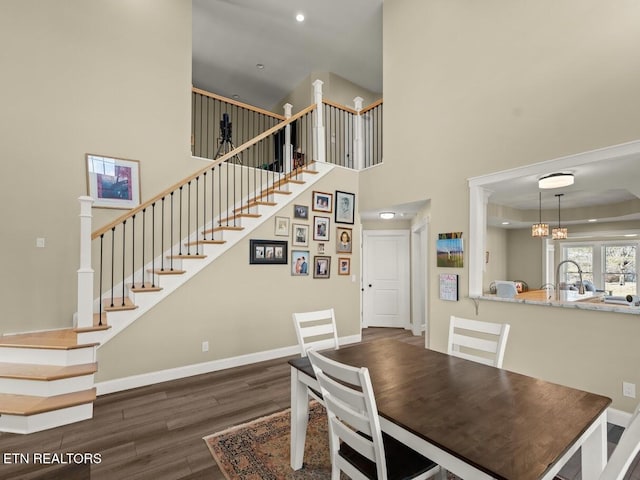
[{"x": 47, "y": 378}]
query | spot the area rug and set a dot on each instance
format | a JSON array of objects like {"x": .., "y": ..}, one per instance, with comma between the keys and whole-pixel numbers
[{"x": 259, "y": 450}]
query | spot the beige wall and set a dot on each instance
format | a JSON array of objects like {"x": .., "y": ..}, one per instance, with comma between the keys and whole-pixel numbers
[
  {"x": 502, "y": 84},
  {"x": 241, "y": 308},
  {"x": 111, "y": 77}
]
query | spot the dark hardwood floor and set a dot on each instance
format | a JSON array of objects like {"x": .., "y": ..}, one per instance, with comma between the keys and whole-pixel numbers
[{"x": 156, "y": 432}]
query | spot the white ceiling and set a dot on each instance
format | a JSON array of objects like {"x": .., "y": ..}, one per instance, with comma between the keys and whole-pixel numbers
[{"x": 230, "y": 37}]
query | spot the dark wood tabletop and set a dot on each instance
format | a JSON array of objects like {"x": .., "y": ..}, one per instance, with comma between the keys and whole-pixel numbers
[{"x": 508, "y": 425}]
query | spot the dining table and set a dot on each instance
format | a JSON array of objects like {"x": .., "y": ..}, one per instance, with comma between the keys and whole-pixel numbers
[{"x": 476, "y": 421}]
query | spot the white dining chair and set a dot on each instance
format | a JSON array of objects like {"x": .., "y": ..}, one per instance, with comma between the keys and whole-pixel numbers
[
  {"x": 358, "y": 446},
  {"x": 479, "y": 341},
  {"x": 625, "y": 452},
  {"x": 316, "y": 329}
]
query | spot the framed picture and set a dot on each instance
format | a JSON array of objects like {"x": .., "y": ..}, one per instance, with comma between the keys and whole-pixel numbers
[
  {"x": 343, "y": 240},
  {"x": 345, "y": 207},
  {"x": 300, "y": 235},
  {"x": 449, "y": 287},
  {"x": 321, "y": 266},
  {"x": 321, "y": 228},
  {"x": 322, "y": 202},
  {"x": 267, "y": 252},
  {"x": 282, "y": 227},
  {"x": 450, "y": 250},
  {"x": 113, "y": 182},
  {"x": 321, "y": 249},
  {"x": 301, "y": 212},
  {"x": 344, "y": 266},
  {"x": 299, "y": 262}
]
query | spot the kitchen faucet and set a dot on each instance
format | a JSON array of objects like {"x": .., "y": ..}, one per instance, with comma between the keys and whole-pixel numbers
[{"x": 580, "y": 286}]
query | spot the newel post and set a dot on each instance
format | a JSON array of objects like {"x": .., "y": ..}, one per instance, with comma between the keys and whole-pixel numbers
[
  {"x": 287, "y": 154},
  {"x": 318, "y": 137},
  {"x": 85, "y": 272},
  {"x": 358, "y": 143}
]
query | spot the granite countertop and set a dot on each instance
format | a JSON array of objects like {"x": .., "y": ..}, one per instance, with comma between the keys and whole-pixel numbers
[{"x": 589, "y": 301}]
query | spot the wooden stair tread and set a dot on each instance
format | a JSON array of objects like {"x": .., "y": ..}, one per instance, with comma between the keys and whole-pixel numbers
[
  {"x": 223, "y": 228},
  {"x": 30, "y": 405},
  {"x": 66, "y": 339},
  {"x": 205, "y": 242},
  {"x": 265, "y": 203},
  {"x": 118, "y": 304},
  {"x": 28, "y": 371},
  {"x": 96, "y": 324},
  {"x": 279, "y": 192},
  {"x": 241, "y": 215},
  {"x": 138, "y": 287},
  {"x": 167, "y": 271}
]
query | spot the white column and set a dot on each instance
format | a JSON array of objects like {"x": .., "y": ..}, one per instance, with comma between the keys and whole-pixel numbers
[
  {"x": 358, "y": 143},
  {"x": 288, "y": 149},
  {"x": 318, "y": 129},
  {"x": 85, "y": 272},
  {"x": 478, "y": 199}
]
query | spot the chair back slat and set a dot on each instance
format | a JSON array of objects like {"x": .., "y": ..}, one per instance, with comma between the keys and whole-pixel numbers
[
  {"x": 316, "y": 329},
  {"x": 478, "y": 341}
]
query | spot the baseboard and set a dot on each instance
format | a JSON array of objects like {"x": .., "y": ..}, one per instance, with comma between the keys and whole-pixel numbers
[
  {"x": 142, "y": 380},
  {"x": 618, "y": 417}
]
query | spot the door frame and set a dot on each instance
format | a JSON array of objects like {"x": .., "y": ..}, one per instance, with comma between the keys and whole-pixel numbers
[
  {"x": 371, "y": 233},
  {"x": 419, "y": 263}
]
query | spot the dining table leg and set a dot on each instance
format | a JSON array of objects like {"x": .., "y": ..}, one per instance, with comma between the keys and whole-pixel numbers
[
  {"x": 299, "y": 418},
  {"x": 594, "y": 450}
]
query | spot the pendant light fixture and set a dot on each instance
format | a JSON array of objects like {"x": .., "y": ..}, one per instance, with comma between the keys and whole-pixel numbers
[
  {"x": 559, "y": 233},
  {"x": 540, "y": 229}
]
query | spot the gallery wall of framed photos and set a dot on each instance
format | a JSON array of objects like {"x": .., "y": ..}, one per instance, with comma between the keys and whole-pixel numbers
[{"x": 317, "y": 226}]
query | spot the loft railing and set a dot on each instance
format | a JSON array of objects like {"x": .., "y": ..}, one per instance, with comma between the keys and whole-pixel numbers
[
  {"x": 134, "y": 251},
  {"x": 371, "y": 118},
  {"x": 207, "y": 110}
]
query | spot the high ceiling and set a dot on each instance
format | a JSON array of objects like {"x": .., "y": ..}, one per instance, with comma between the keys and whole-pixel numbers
[
  {"x": 231, "y": 37},
  {"x": 344, "y": 37}
]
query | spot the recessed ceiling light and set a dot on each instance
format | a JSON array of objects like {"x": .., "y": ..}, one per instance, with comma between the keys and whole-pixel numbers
[
  {"x": 387, "y": 215},
  {"x": 300, "y": 17},
  {"x": 505, "y": 223},
  {"x": 592, "y": 220},
  {"x": 235, "y": 96},
  {"x": 556, "y": 180},
  {"x": 631, "y": 235},
  {"x": 260, "y": 66}
]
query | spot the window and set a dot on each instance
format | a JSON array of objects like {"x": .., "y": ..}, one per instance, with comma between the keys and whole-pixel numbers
[{"x": 611, "y": 266}]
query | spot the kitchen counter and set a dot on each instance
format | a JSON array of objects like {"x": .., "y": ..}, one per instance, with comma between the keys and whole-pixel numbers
[{"x": 569, "y": 299}]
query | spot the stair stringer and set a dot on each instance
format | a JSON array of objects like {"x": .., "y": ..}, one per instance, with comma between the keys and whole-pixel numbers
[{"x": 120, "y": 320}]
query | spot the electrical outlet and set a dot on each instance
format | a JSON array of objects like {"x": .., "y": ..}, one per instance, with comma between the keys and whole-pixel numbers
[
  {"x": 629, "y": 389},
  {"x": 40, "y": 242},
  {"x": 205, "y": 346}
]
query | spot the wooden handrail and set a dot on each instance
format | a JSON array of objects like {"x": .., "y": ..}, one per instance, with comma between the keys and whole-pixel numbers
[
  {"x": 235, "y": 102},
  {"x": 371, "y": 107},
  {"x": 215, "y": 162},
  {"x": 339, "y": 106}
]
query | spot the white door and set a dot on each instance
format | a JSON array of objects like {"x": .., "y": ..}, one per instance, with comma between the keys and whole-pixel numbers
[{"x": 385, "y": 278}]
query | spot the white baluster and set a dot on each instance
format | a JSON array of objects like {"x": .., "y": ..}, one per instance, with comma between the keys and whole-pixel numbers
[
  {"x": 318, "y": 130},
  {"x": 85, "y": 272},
  {"x": 358, "y": 142}
]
